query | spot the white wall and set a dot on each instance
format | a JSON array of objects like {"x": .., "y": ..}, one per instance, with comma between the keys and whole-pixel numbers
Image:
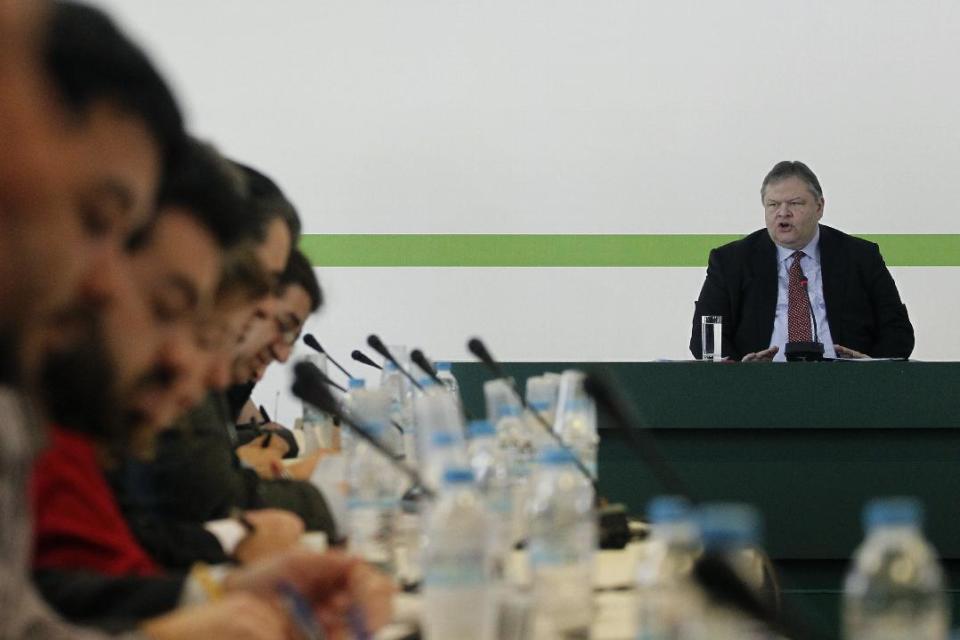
[{"x": 555, "y": 116}]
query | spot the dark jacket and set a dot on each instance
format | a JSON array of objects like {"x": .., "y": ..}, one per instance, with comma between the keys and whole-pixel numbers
[
  {"x": 197, "y": 477},
  {"x": 863, "y": 306}
]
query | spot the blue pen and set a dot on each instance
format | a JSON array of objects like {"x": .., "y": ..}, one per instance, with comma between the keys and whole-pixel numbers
[
  {"x": 358, "y": 623},
  {"x": 300, "y": 612}
]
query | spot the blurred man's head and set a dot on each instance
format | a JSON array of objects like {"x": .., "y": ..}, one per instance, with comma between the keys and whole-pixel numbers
[
  {"x": 176, "y": 268},
  {"x": 267, "y": 342},
  {"x": 120, "y": 125}
]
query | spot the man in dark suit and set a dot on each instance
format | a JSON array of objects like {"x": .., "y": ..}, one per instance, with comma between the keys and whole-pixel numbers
[{"x": 760, "y": 284}]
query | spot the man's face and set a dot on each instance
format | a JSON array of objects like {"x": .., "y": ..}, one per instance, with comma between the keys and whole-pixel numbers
[
  {"x": 81, "y": 263},
  {"x": 215, "y": 340},
  {"x": 44, "y": 245},
  {"x": 152, "y": 334},
  {"x": 791, "y": 212},
  {"x": 273, "y": 341}
]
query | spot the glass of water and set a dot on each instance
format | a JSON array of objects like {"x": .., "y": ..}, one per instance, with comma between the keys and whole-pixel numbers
[{"x": 711, "y": 332}]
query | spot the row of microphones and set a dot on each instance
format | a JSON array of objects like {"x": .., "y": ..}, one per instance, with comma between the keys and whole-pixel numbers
[
  {"x": 311, "y": 386},
  {"x": 712, "y": 573}
]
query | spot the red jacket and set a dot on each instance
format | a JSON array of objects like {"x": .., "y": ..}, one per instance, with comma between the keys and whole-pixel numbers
[{"x": 77, "y": 521}]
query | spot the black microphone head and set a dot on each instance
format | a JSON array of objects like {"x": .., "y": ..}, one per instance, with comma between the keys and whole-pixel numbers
[
  {"x": 360, "y": 356},
  {"x": 377, "y": 345},
  {"x": 311, "y": 342},
  {"x": 421, "y": 361},
  {"x": 598, "y": 388},
  {"x": 310, "y": 385},
  {"x": 477, "y": 348}
]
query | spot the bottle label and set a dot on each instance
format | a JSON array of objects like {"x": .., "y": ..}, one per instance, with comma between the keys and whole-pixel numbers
[{"x": 464, "y": 569}]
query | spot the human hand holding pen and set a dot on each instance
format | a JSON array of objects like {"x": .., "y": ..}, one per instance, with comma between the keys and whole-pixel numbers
[{"x": 343, "y": 590}]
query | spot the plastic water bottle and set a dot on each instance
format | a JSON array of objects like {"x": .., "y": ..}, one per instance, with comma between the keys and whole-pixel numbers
[
  {"x": 498, "y": 394},
  {"x": 373, "y": 490},
  {"x": 400, "y": 392},
  {"x": 445, "y": 451},
  {"x": 458, "y": 598},
  {"x": 665, "y": 592},
  {"x": 492, "y": 475},
  {"x": 562, "y": 543},
  {"x": 576, "y": 422},
  {"x": 542, "y": 394},
  {"x": 318, "y": 428},
  {"x": 445, "y": 373},
  {"x": 435, "y": 410},
  {"x": 895, "y": 588},
  {"x": 731, "y": 532},
  {"x": 516, "y": 439}
]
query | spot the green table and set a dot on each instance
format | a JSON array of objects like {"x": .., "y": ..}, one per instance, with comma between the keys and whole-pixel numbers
[{"x": 807, "y": 443}]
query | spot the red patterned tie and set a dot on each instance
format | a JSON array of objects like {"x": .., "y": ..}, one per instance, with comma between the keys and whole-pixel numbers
[{"x": 798, "y": 309}]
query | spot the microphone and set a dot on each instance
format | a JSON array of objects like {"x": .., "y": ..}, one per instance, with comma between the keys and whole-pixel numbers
[
  {"x": 478, "y": 349},
  {"x": 311, "y": 342},
  {"x": 424, "y": 363},
  {"x": 325, "y": 379},
  {"x": 421, "y": 361},
  {"x": 805, "y": 351},
  {"x": 377, "y": 345},
  {"x": 363, "y": 358},
  {"x": 625, "y": 416},
  {"x": 310, "y": 386},
  {"x": 712, "y": 572}
]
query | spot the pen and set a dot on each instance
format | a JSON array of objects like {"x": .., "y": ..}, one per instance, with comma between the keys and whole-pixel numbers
[{"x": 300, "y": 612}]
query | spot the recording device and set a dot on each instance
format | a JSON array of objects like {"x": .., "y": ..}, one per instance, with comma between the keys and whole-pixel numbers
[
  {"x": 312, "y": 342},
  {"x": 310, "y": 385},
  {"x": 805, "y": 351}
]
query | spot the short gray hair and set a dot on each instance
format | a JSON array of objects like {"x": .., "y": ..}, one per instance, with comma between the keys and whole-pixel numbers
[{"x": 792, "y": 169}]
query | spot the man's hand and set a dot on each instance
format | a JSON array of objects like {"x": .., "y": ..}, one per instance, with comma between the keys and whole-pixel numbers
[
  {"x": 240, "y": 615},
  {"x": 274, "y": 531},
  {"x": 844, "y": 352},
  {"x": 304, "y": 467},
  {"x": 333, "y": 582},
  {"x": 261, "y": 460},
  {"x": 761, "y": 356}
]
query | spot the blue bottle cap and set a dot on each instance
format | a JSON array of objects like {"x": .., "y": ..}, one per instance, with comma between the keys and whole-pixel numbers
[
  {"x": 442, "y": 439},
  {"x": 357, "y": 383},
  {"x": 426, "y": 381},
  {"x": 729, "y": 526},
  {"x": 480, "y": 428},
  {"x": 443, "y": 365},
  {"x": 457, "y": 475},
  {"x": 508, "y": 410},
  {"x": 893, "y": 512},
  {"x": 541, "y": 406},
  {"x": 668, "y": 509},
  {"x": 553, "y": 455}
]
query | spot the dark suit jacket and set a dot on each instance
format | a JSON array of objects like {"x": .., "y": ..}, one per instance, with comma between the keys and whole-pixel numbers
[{"x": 863, "y": 306}]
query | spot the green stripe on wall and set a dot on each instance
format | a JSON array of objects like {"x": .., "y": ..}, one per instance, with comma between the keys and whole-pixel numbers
[{"x": 654, "y": 250}]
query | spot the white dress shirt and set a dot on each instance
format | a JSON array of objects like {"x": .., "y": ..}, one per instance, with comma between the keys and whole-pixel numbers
[{"x": 810, "y": 265}]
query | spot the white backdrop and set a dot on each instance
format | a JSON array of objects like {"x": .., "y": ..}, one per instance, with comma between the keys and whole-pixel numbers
[{"x": 555, "y": 116}]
